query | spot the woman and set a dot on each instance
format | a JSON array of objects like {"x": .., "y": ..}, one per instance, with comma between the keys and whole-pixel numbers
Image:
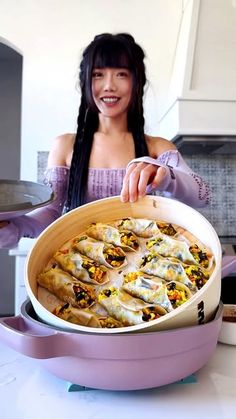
[{"x": 110, "y": 153}]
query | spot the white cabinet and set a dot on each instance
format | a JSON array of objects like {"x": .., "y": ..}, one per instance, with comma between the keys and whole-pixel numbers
[{"x": 20, "y": 253}]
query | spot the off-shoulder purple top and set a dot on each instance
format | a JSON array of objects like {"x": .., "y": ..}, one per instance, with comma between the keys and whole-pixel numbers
[
  {"x": 179, "y": 183},
  {"x": 103, "y": 183}
]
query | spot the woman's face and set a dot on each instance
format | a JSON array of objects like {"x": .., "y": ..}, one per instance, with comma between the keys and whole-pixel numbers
[{"x": 112, "y": 90}]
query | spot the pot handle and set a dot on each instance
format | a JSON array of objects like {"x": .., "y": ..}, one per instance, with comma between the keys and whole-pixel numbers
[
  {"x": 30, "y": 340},
  {"x": 228, "y": 265}
]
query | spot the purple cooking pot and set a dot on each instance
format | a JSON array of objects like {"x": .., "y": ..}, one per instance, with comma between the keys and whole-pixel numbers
[
  {"x": 122, "y": 361},
  {"x": 113, "y": 362}
]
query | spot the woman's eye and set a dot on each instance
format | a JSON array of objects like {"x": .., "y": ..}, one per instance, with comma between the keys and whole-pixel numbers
[
  {"x": 122, "y": 74},
  {"x": 97, "y": 74}
]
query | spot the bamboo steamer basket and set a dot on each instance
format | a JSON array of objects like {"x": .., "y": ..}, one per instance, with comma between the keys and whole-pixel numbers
[{"x": 200, "y": 309}]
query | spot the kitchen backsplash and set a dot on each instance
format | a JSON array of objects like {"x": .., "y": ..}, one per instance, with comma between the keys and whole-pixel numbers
[{"x": 219, "y": 170}]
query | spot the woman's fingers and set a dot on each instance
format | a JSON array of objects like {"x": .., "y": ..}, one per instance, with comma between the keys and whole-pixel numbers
[
  {"x": 160, "y": 175},
  {"x": 128, "y": 180},
  {"x": 146, "y": 176},
  {"x": 138, "y": 177}
]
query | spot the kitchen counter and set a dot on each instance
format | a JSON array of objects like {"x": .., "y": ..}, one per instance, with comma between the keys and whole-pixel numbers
[{"x": 27, "y": 391}]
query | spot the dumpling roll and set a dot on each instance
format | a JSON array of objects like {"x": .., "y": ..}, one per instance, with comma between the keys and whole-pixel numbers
[
  {"x": 170, "y": 269},
  {"x": 106, "y": 233},
  {"x": 84, "y": 317},
  {"x": 103, "y": 253},
  {"x": 144, "y": 227},
  {"x": 172, "y": 247},
  {"x": 80, "y": 267},
  {"x": 150, "y": 289},
  {"x": 67, "y": 288},
  {"x": 126, "y": 309}
]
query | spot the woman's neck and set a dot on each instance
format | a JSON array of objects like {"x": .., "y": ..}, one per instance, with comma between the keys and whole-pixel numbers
[
  {"x": 113, "y": 126},
  {"x": 113, "y": 145}
]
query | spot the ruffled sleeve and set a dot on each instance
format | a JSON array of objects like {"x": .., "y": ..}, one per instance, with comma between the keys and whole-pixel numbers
[{"x": 180, "y": 181}]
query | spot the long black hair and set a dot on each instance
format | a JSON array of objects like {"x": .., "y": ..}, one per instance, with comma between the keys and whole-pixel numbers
[{"x": 115, "y": 51}]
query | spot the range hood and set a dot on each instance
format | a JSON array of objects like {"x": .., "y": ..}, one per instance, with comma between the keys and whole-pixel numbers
[
  {"x": 200, "y": 112},
  {"x": 205, "y": 144}
]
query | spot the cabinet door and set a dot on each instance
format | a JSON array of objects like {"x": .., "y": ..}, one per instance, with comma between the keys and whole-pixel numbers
[{"x": 10, "y": 126}]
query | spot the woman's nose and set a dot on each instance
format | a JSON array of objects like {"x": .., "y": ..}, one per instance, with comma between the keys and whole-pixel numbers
[{"x": 109, "y": 84}]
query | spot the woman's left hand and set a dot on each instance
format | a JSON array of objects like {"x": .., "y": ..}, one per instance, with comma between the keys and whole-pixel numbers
[{"x": 138, "y": 176}]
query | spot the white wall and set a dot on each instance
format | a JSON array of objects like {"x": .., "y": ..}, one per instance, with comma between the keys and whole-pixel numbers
[{"x": 51, "y": 35}]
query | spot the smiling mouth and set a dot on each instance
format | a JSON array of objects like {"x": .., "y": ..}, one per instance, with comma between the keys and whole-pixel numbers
[{"x": 110, "y": 99}]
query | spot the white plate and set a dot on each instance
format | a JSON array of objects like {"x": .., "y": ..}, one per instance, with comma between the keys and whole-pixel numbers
[{"x": 17, "y": 197}]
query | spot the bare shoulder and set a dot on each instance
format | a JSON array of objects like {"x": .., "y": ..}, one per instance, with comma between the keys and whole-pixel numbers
[
  {"x": 61, "y": 150},
  {"x": 158, "y": 145}
]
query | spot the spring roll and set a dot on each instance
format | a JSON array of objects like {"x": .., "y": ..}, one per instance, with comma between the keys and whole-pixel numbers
[
  {"x": 126, "y": 309},
  {"x": 144, "y": 227},
  {"x": 188, "y": 253},
  {"x": 82, "y": 268},
  {"x": 100, "y": 252},
  {"x": 84, "y": 317},
  {"x": 150, "y": 289},
  {"x": 170, "y": 269},
  {"x": 121, "y": 238},
  {"x": 67, "y": 288}
]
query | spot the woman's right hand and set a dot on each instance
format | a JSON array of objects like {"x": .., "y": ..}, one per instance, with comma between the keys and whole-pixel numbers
[
  {"x": 3, "y": 223},
  {"x": 138, "y": 176}
]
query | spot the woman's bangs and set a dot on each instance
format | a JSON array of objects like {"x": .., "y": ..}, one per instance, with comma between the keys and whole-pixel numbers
[{"x": 112, "y": 55}]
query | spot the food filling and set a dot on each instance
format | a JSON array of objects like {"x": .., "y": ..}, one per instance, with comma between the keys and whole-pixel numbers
[
  {"x": 82, "y": 297},
  {"x": 114, "y": 256},
  {"x": 176, "y": 296},
  {"x": 128, "y": 239},
  {"x": 150, "y": 313},
  {"x": 95, "y": 271},
  {"x": 166, "y": 228},
  {"x": 199, "y": 255},
  {"x": 196, "y": 275},
  {"x": 109, "y": 322}
]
